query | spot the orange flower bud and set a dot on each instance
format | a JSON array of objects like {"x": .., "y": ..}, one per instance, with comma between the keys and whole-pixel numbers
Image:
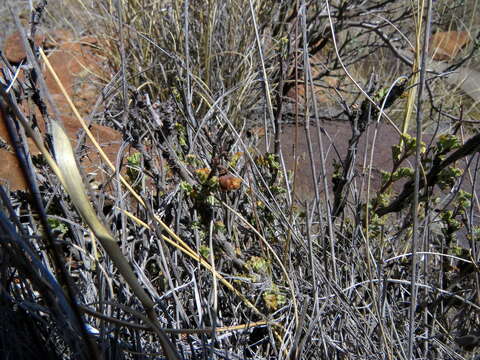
[{"x": 229, "y": 182}]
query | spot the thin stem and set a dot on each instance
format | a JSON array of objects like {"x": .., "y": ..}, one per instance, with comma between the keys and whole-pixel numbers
[{"x": 415, "y": 236}]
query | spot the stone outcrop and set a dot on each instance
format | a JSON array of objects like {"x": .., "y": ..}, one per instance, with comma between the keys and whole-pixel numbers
[
  {"x": 78, "y": 64},
  {"x": 445, "y": 46}
]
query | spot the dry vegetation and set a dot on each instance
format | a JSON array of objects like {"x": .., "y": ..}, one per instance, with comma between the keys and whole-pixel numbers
[{"x": 238, "y": 216}]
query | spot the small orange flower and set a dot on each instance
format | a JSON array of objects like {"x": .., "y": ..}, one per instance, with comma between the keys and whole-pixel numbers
[
  {"x": 229, "y": 182},
  {"x": 202, "y": 174}
]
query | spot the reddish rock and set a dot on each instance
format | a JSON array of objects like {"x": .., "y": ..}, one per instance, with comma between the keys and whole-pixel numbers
[
  {"x": 335, "y": 150},
  {"x": 322, "y": 90},
  {"x": 11, "y": 173},
  {"x": 70, "y": 60},
  {"x": 447, "y": 45},
  {"x": 109, "y": 140},
  {"x": 57, "y": 38},
  {"x": 77, "y": 64},
  {"x": 13, "y": 47}
]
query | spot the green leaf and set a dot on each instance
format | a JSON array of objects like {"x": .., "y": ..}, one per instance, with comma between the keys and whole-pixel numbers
[{"x": 447, "y": 143}]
